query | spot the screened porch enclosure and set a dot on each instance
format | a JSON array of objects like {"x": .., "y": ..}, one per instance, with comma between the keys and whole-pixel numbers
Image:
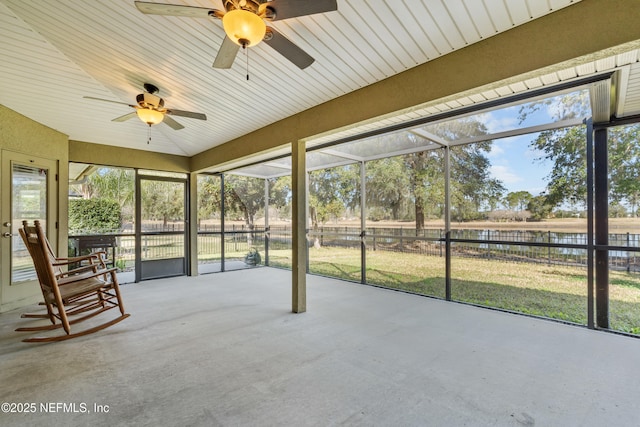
[
  {"x": 493, "y": 205},
  {"x": 443, "y": 208}
]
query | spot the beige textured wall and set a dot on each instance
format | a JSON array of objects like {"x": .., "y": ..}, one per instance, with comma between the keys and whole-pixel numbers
[
  {"x": 100, "y": 154},
  {"x": 22, "y": 135}
]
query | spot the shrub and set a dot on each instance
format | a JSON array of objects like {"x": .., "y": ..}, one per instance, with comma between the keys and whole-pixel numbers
[{"x": 94, "y": 215}]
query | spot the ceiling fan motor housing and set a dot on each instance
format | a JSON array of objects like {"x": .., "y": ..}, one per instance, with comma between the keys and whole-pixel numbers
[
  {"x": 250, "y": 5},
  {"x": 146, "y": 100}
]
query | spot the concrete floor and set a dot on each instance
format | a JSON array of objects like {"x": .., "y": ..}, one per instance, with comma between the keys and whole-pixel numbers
[{"x": 224, "y": 349}]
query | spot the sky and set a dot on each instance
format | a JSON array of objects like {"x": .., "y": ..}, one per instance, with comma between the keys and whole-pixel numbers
[
  {"x": 516, "y": 165},
  {"x": 513, "y": 161}
]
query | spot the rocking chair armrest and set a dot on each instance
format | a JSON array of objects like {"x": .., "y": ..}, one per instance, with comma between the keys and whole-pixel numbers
[
  {"x": 78, "y": 270},
  {"x": 70, "y": 260},
  {"x": 84, "y": 276}
]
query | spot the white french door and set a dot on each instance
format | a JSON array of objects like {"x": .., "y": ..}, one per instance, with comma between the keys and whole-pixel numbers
[{"x": 28, "y": 192}]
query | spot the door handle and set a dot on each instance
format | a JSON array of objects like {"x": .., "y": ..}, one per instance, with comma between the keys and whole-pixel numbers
[{"x": 6, "y": 234}]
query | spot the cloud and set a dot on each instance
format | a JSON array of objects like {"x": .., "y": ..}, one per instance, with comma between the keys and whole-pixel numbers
[
  {"x": 496, "y": 150},
  {"x": 504, "y": 174},
  {"x": 498, "y": 124}
]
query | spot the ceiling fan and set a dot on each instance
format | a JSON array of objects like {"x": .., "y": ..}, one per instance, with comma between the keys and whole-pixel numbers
[
  {"x": 150, "y": 109},
  {"x": 244, "y": 24}
]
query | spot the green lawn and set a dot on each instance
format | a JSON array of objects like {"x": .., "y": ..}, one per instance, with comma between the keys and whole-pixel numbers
[{"x": 553, "y": 291}]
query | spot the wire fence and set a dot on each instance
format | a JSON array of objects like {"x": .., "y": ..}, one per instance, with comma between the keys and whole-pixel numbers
[{"x": 553, "y": 248}]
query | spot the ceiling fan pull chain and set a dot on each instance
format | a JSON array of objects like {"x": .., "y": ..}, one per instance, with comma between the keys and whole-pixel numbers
[
  {"x": 149, "y": 135},
  {"x": 247, "y": 53}
]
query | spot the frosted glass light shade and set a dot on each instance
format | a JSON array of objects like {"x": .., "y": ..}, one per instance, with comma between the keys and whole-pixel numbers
[
  {"x": 243, "y": 27},
  {"x": 150, "y": 117}
]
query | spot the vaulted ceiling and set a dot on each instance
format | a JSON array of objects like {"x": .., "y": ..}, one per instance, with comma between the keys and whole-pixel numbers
[{"x": 54, "y": 53}]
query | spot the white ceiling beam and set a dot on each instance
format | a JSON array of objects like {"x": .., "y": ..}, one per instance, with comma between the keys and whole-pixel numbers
[
  {"x": 337, "y": 153},
  {"x": 522, "y": 131},
  {"x": 431, "y": 137}
]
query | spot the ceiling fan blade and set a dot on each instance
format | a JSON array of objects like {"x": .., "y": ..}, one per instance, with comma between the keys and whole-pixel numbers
[
  {"x": 285, "y": 9},
  {"x": 172, "y": 123},
  {"x": 108, "y": 100},
  {"x": 227, "y": 54},
  {"x": 176, "y": 10},
  {"x": 189, "y": 114},
  {"x": 125, "y": 117},
  {"x": 288, "y": 49}
]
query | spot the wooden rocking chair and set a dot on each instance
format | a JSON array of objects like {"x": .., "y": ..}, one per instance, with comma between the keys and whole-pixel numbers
[
  {"x": 82, "y": 263},
  {"x": 85, "y": 292}
]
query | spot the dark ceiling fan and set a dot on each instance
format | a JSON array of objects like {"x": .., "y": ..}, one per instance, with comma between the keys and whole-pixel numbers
[
  {"x": 244, "y": 24},
  {"x": 150, "y": 109}
]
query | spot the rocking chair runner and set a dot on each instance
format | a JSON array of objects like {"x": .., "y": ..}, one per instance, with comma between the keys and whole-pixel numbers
[{"x": 86, "y": 291}]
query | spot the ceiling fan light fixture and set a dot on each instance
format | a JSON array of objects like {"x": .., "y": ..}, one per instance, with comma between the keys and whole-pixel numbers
[
  {"x": 149, "y": 116},
  {"x": 244, "y": 28}
]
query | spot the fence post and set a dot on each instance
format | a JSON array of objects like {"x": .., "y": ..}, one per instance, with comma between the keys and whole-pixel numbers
[
  {"x": 549, "y": 247},
  {"x": 373, "y": 233},
  {"x": 447, "y": 263},
  {"x": 401, "y": 240},
  {"x": 363, "y": 257},
  {"x": 488, "y": 244},
  {"x": 628, "y": 255},
  {"x": 266, "y": 245},
  {"x": 235, "y": 240},
  {"x": 307, "y": 245}
]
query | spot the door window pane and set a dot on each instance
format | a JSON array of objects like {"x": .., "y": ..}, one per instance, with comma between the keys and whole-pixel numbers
[{"x": 28, "y": 202}]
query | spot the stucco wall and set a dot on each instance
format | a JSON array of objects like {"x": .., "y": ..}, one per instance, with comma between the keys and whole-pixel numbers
[
  {"x": 100, "y": 154},
  {"x": 20, "y": 134}
]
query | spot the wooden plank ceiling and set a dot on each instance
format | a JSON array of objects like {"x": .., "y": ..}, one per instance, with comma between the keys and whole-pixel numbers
[{"x": 55, "y": 52}]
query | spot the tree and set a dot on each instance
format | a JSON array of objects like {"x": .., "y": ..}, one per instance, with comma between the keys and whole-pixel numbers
[
  {"x": 624, "y": 165},
  {"x": 280, "y": 193},
  {"x": 162, "y": 200},
  {"x": 471, "y": 184},
  {"x": 209, "y": 197},
  {"x": 387, "y": 185},
  {"x": 495, "y": 193},
  {"x": 114, "y": 184},
  {"x": 244, "y": 195},
  {"x": 423, "y": 173},
  {"x": 518, "y": 200},
  {"x": 332, "y": 191},
  {"x": 566, "y": 150},
  {"x": 539, "y": 207},
  {"x": 616, "y": 210},
  {"x": 426, "y": 178},
  {"x": 418, "y": 178}
]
